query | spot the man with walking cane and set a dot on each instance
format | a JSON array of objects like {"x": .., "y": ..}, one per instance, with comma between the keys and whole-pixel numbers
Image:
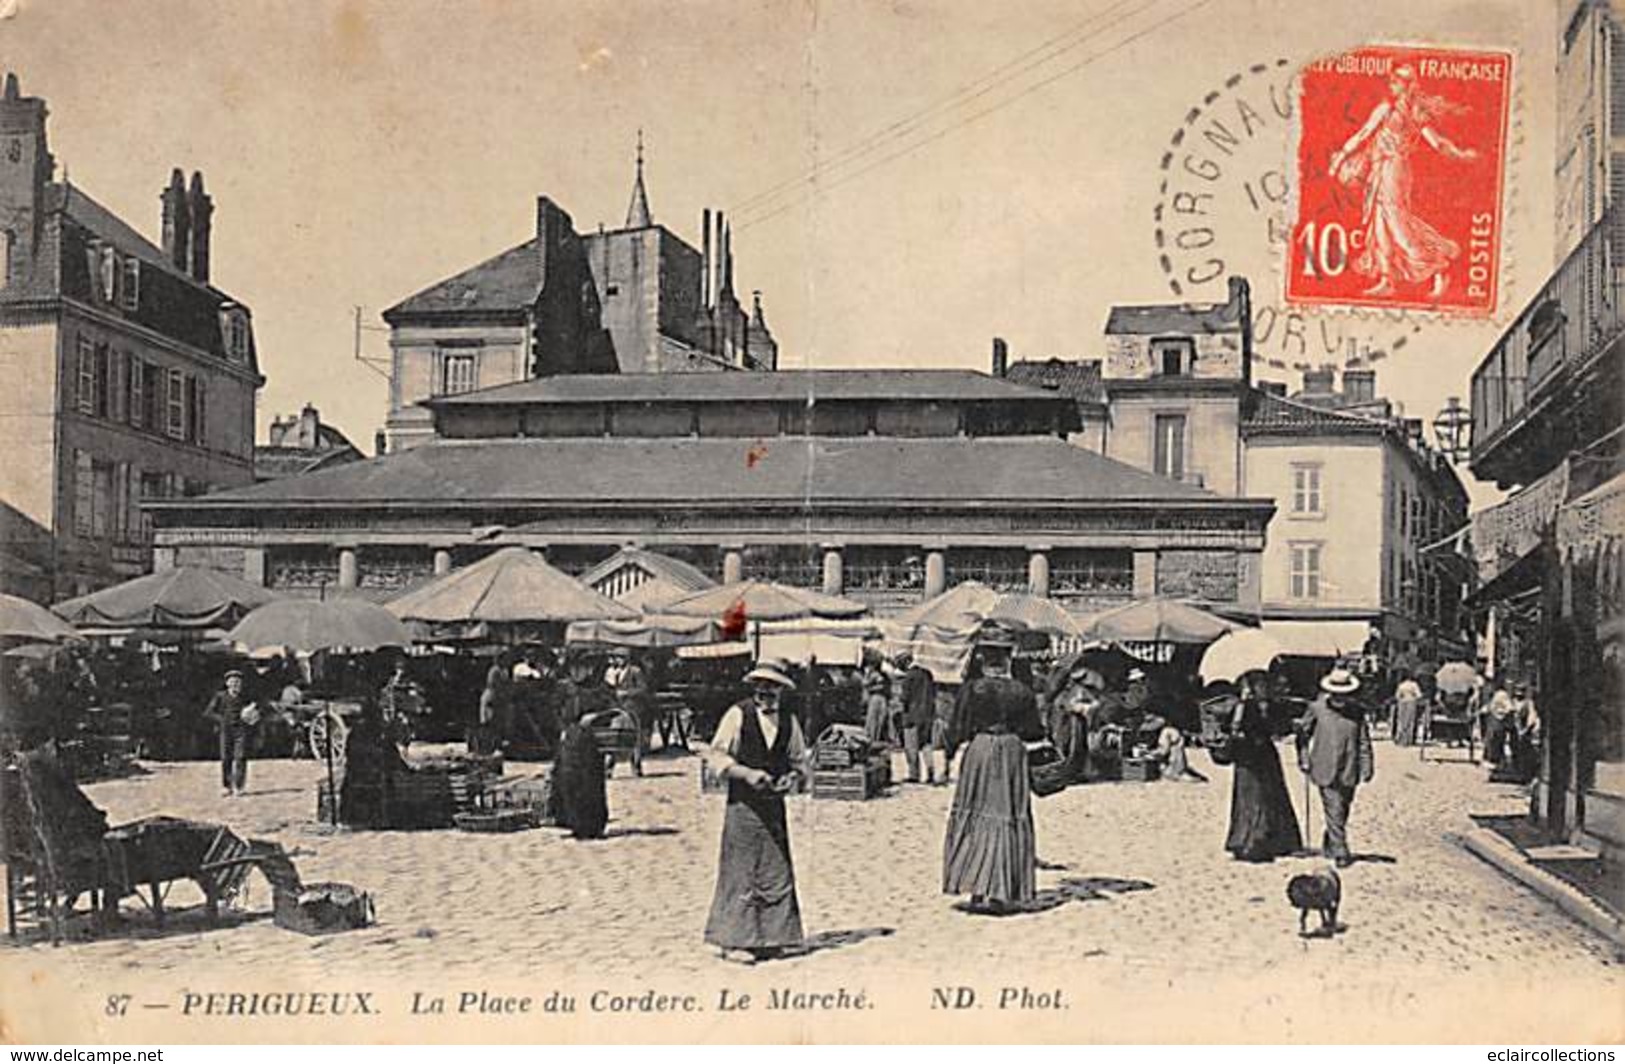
[{"x": 1335, "y": 753}]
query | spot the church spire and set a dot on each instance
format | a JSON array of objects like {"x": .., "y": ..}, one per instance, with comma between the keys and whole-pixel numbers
[{"x": 637, "y": 212}]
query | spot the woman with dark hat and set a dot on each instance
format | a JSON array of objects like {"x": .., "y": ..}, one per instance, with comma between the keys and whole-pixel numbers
[
  {"x": 1263, "y": 824},
  {"x": 580, "y": 795},
  {"x": 758, "y": 749},
  {"x": 990, "y": 852}
]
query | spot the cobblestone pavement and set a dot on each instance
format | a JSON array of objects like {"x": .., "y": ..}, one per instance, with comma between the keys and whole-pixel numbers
[{"x": 1136, "y": 889}]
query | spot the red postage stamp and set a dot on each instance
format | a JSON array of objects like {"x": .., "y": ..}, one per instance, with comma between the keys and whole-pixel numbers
[{"x": 1401, "y": 154}]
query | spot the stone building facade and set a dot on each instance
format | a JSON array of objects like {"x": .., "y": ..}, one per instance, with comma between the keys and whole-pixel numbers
[
  {"x": 1358, "y": 492},
  {"x": 890, "y": 486},
  {"x": 132, "y": 376},
  {"x": 638, "y": 299}
]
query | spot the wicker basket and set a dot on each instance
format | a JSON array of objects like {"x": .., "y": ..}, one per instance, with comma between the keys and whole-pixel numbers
[
  {"x": 1047, "y": 771},
  {"x": 496, "y": 820}
]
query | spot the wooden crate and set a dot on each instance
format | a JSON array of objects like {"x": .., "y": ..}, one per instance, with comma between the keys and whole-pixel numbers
[
  {"x": 851, "y": 784},
  {"x": 1141, "y": 769}
]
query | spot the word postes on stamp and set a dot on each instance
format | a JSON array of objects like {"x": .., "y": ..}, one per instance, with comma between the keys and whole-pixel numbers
[{"x": 1401, "y": 158}]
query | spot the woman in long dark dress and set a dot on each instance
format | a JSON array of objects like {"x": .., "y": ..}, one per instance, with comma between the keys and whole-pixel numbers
[
  {"x": 991, "y": 852},
  {"x": 758, "y": 749},
  {"x": 1263, "y": 824},
  {"x": 580, "y": 795}
]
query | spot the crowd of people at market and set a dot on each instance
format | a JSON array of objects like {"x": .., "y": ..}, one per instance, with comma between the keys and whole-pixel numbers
[{"x": 1013, "y": 727}]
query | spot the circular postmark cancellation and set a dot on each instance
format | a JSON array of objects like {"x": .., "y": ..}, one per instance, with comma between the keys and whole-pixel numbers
[{"x": 1225, "y": 207}]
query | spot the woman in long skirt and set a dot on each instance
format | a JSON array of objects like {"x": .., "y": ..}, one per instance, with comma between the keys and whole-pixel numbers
[
  {"x": 1263, "y": 824},
  {"x": 991, "y": 852},
  {"x": 758, "y": 749},
  {"x": 580, "y": 798}
]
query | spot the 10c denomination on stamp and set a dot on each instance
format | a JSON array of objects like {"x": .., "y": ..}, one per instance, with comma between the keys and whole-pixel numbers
[{"x": 1401, "y": 160}]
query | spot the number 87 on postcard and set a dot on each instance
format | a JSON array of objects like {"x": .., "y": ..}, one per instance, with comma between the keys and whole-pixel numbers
[{"x": 1401, "y": 158}]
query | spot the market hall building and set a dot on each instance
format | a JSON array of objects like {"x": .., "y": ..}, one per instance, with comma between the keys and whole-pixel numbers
[{"x": 886, "y": 485}]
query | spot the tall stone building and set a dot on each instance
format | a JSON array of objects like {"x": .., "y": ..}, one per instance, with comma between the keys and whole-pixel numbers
[
  {"x": 1358, "y": 491},
  {"x": 131, "y": 376},
  {"x": 1590, "y": 116},
  {"x": 638, "y": 299}
]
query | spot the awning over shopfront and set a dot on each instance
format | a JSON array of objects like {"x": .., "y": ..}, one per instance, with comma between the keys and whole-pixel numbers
[
  {"x": 1319, "y": 639},
  {"x": 1512, "y": 580},
  {"x": 1504, "y": 534}
]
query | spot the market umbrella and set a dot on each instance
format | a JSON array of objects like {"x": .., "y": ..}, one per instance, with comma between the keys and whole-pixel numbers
[
  {"x": 311, "y": 625},
  {"x": 961, "y": 606},
  {"x": 1017, "y": 609},
  {"x": 182, "y": 597},
  {"x": 1237, "y": 653},
  {"x": 1157, "y": 621},
  {"x": 761, "y": 600},
  {"x": 33, "y": 652},
  {"x": 1455, "y": 677},
  {"x": 33, "y": 623},
  {"x": 512, "y": 586},
  {"x": 648, "y": 631}
]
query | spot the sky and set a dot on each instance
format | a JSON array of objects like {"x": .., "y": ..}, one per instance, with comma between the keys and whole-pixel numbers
[{"x": 981, "y": 169}]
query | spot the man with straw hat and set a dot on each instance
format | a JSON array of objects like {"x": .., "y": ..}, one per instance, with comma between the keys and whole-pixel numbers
[
  {"x": 758, "y": 749},
  {"x": 1334, "y": 750}
]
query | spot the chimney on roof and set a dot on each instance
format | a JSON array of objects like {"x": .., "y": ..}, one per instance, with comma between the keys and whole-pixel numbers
[
  {"x": 1241, "y": 300},
  {"x": 202, "y": 209},
  {"x": 705, "y": 259},
  {"x": 28, "y": 170},
  {"x": 177, "y": 220},
  {"x": 1413, "y": 429},
  {"x": 1275, "y": 388},
  {"x": 1001, "y": 357},
  {"x": 310, "y": 427},
  {"x": 1359, "y": 385},
  {"x": 1319, "y": 382}
]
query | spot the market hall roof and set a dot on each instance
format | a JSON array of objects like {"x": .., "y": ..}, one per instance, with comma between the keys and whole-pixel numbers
[
  {"x": 599, "y": 471},
  {"x": 823, "y": 385}
]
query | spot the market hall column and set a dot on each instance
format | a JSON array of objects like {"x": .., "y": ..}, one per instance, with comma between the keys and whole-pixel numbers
[
  {"x": 834, "y": 574},
  {"x": 1038, "y": 572},
  {"x": 936, "y": 574},
  {"x": 442, "y": 562},
  {"x": 1145, "y": 574},
  {"x": 347, "y": 567},
  {"x": 733, "y": 564},
  {"x": 254, "y": 565}
]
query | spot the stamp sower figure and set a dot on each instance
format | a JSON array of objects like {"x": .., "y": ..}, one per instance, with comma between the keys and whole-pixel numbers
[
  {"x": 1335, "y": 750},
  {"x": 990, "y": 852},
  {"x": 1399, "y": 247},
  {"x": 758, "y": 749},
  {"x": 235, "y": 717}
]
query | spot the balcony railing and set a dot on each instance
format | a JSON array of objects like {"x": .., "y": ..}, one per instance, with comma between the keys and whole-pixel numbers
[{"x": 1576, "y": 314}]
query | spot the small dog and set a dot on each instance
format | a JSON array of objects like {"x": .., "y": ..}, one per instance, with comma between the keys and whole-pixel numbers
[{"x": 1320, "y": 891}]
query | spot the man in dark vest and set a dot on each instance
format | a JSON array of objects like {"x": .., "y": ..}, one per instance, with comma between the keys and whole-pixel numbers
[
  {"x": 1334, "y": 748},
  {"x": 759, "y": 750},
  {"x": 919, "y": 709}
]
